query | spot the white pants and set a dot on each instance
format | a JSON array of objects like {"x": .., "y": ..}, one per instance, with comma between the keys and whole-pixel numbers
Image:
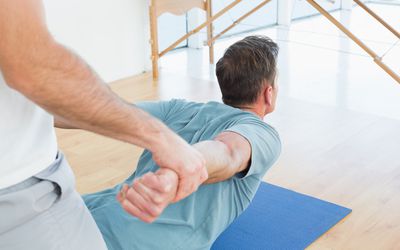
[{"x": 45, "y": 212}]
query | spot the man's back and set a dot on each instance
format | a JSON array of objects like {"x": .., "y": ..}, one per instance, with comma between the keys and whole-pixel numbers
[{"x": 195, "y": 222}]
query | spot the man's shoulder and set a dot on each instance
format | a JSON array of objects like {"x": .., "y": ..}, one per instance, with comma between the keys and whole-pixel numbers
[
  {"x": 265, "y": 143},
  {"x": 211, "y": 108}
]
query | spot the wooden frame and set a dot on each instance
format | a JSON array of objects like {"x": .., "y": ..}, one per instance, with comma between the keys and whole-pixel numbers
[
  {"x": 179, "y": 7},
  {"x": 236, "y": 22},
  {"x": 377, "y": 59}
]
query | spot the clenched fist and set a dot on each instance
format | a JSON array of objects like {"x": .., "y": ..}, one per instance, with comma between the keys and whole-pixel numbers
[
  {"x": 149, "y": 195},
  {"x": 185, "y": 160}
]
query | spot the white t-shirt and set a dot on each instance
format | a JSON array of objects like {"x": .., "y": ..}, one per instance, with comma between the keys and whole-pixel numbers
[{"x": 28, "y": 143}]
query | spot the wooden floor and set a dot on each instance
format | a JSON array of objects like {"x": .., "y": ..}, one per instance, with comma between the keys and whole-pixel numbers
[
  {"x": 338, "y": 115},
  {"x": 345, "y": 157}
]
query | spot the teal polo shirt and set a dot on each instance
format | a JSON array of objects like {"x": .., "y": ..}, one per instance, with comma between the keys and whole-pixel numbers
[{"x": 196, "y": 221}]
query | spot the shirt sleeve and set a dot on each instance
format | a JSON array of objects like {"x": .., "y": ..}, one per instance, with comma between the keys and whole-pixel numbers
[
  {"x": 265, "y": 150},
  {"x": 265, "y": 146}
]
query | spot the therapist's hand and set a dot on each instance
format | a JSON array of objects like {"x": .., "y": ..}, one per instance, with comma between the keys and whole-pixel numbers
[
  {"x": 185, "y": 160},
  {"x": 149, "y": 195}
]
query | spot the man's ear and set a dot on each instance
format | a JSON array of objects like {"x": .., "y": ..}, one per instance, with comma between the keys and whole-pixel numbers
[{"x": 268, "y": 94}]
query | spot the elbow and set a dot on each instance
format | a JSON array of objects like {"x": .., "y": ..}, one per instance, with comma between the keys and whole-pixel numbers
[
  {"x": 235, "y": 161},
  {"x": 18, "y": 76},
  {"x": 16, "y": 70},
  {"x": 10, "y": 74},
  {"x": 25, "y": 71},
  {"x": 238, "y": 161},
  {"x": 16, "y": 84}
]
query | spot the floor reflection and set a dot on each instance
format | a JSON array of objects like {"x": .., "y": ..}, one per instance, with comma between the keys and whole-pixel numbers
[{"x": 319, "y": 64}]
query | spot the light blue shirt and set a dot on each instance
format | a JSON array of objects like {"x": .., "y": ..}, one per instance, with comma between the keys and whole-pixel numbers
[{"x": 195, "y": 222}]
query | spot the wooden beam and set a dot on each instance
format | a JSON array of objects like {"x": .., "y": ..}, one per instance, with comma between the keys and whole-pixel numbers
[
  {"x": 236, "y": 22},
  {"x": 200, "y": 27},
  {"x": 177, "y": 7},
  {"x": 390, "y": 28},
  {"x": 376, "y": 58},
  {"x": 154, "y": 39},
  {"x": 387, "y": 69},
  {"x": 210, "y": 31}
]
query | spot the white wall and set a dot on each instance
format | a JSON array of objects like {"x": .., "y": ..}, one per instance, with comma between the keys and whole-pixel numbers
[{"x": 112, "y": 36}]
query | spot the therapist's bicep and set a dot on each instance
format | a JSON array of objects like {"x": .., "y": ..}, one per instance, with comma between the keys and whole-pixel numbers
[{"x": 24, "y": 36}]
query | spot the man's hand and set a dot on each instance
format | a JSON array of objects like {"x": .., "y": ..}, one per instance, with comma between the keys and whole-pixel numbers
[
  {"x": 149, "y": 195},
  {"x": 186, "y": 161}
]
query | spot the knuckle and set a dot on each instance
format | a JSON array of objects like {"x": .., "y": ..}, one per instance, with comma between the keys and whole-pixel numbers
[
  {"x": 155, "y": 211},
  {"x": 204, "y": 176},
  {"x": 158, "y": 199},
  {"x": 167, "y": 188},
  {"x": 127, "y": 209},
  {"x": 150, "y": 219},
  {"x": 128, "y": 192},
  {"x": 178, "y": 197},
  {"x": 192, "y": 169},
  {"x": 124, "y": 206},
  {"x": 136, "y": 186},
  {"x": 199, "y": 166}
]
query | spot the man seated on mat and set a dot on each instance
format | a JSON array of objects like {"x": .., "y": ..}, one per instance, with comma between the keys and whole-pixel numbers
[{"x": 238, "y": 147}]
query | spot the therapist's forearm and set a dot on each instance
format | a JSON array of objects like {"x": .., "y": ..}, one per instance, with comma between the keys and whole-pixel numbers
[
  {"x": 65, "y": 86},
  {"x": 56, "y": 79},
  {"x": 63, "y": 124}
]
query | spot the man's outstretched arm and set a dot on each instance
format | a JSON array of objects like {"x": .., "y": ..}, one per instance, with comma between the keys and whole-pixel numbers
[
  {"x": 228, "y": 154},
  {"x": 56, "y": 79}
]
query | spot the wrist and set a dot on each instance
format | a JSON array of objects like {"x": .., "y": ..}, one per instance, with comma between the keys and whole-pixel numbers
[
  {"x": 164, "y": 143},
  {"x": 147, "y": 131}
]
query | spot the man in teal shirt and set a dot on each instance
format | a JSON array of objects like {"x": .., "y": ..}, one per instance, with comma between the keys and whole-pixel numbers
[{"x": 238, "y": 147}]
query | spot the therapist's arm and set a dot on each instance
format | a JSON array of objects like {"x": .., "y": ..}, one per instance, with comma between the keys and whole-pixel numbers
[
  {"x": 226, "y": 155},
  {"x": 34, "y": 64},
  {"x": 60, "y": 123},
  {"x": 56, "y": 79}
]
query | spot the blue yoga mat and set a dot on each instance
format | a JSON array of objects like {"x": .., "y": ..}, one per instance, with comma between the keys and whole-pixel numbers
[{"x": 279, "y": 218}]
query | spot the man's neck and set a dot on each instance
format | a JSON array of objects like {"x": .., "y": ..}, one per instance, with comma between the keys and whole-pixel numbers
[{"x": 253, "y": 109}]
